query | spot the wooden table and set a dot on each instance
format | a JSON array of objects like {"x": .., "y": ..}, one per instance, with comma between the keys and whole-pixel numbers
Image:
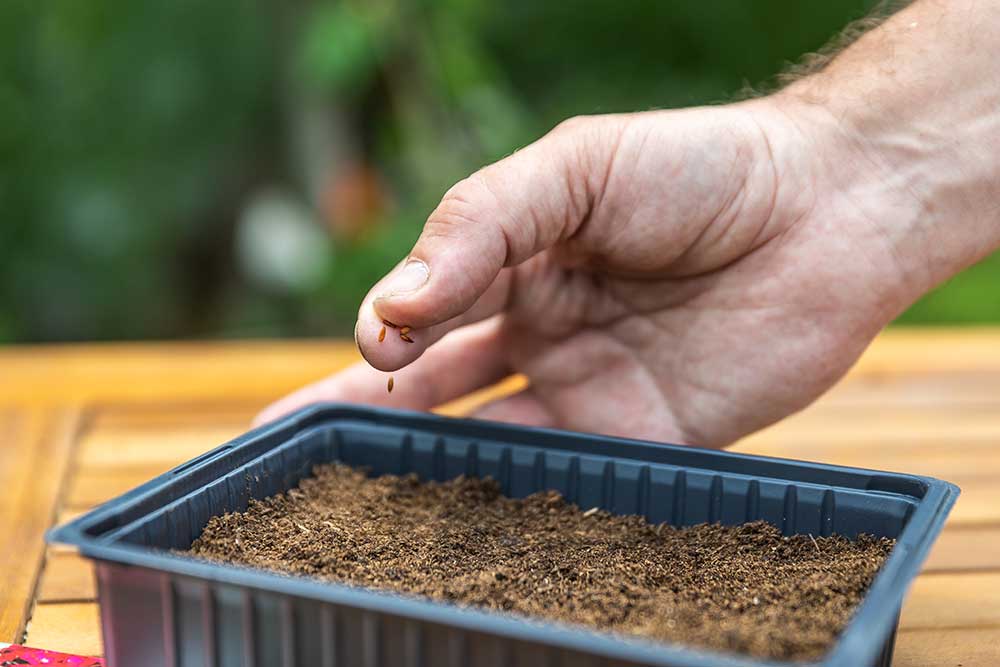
[{"x": 80, "y": 424}]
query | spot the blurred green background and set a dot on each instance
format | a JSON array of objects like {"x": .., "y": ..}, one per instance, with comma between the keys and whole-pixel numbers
[{"x": 244, "y": 168}]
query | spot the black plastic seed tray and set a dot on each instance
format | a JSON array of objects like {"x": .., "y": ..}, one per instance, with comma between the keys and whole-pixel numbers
[{"x": 164, "y": 610}]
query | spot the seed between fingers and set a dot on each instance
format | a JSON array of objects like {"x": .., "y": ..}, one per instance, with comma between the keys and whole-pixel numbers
[
  {"x": 404, "y": 330},
  {"x": 389, "y": 324},
  {"x": 391, "y": 383},
  {"x": 406, "y": 338},
  {"x": 381, "y": 335}
]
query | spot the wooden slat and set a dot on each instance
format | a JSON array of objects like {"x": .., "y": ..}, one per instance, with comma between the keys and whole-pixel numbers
[
  {"x": 467, "y": 404},
  {"x": 969, "y": 647},
  {"x": 254, "y": 371},
  {"x": 887, "y": 427},
  {"x": 970, "y": 460},
  {"x": 158, "y": 433},
  {"x": 942, "y": 389},
  {"x": 34, "y": 455},
  {"x": 71, "y": 627},
  {"x": 931, "y": 350},
  {"x": 929, "y": 360},
  {"x": 258, "y": 370},
  {"x": 143, "y": 415},
  {"x": 68, "y": 577},
  {"x": 953, "y": 600},
  {"x": 971, "y": 549},
  {"x": 166, "y": 445},
  {"x": 90, "y": 487},
  {"x": 979, "y": 504},
  {"x": 126, "y": 446}
]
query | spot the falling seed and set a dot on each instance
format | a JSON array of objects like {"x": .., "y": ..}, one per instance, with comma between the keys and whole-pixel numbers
[
  {"x": 389, "y": 324},
  {"x": 404, "y": 330},
  {"x": 389, "y": 386},
  {"x": 406, "y": 338},
  {"x": 381, "y": 335}
]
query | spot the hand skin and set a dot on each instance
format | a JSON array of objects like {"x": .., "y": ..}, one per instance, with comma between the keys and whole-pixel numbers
[{"x": 692, "y": 276}]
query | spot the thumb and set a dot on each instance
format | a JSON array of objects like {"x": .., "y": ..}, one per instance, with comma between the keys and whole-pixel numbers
[{"x": 500, "y": 216}]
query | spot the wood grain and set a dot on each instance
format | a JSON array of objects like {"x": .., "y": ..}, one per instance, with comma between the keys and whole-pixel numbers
[
  {"x": 941, "y": 359},
  {"x": 964, "y": 647},
  {"x": 33, "y": 461},
  {"x": 953, "y": 600},
  {"x": 68, "y": 577},
  {"x": 122, "y": 448},
  {"x": 254, "y": 371},
  {"x": 71, "y": 627},
  {"x": 965, "y": 549}
]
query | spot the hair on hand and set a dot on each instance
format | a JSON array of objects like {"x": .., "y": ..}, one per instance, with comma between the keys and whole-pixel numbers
[{"x": 812, "y": 63}]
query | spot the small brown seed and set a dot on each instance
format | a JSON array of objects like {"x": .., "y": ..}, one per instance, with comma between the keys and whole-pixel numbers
[
  {"x": 389, "y": 324},
  {"x": 391, "y": 383},
  {"x": 381, "y": 335},
  {"x": 404, "y": 330},
  {"x": 406, "y": 338}
]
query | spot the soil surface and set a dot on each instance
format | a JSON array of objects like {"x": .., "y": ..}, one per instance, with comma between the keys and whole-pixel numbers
[{"x": 744, "y": 589}]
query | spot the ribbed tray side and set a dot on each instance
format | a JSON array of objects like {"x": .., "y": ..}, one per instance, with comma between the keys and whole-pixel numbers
[{"x": 158, "y": 620}]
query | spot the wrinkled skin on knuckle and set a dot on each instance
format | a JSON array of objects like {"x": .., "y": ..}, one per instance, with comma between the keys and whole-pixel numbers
[
  {"x": 572, "y": 125},
  {"x": 529, "y": 199},
  {"x": 462, "y": 204},
  {"x": 466, "y": 212}
]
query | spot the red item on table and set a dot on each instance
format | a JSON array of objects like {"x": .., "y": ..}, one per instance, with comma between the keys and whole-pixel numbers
[{"x": 13, "y": 655}]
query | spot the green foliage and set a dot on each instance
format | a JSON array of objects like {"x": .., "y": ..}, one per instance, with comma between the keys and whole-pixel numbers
[
  {"x": 125, "y": 122},
  {"x": 132, "y": 134},
  {"x": 340, "y": 47}
]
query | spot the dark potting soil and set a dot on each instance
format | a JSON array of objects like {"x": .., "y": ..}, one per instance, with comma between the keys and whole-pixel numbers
[{"x": 744, "y": 589}]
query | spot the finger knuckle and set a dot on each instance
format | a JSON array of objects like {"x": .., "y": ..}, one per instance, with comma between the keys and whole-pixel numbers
[
  {"x": 573, "y": 125},
  {"x": 461, "y": 205}
]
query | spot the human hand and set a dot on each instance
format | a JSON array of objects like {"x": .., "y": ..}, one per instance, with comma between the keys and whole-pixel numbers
[{"x": 676, "y": 275}]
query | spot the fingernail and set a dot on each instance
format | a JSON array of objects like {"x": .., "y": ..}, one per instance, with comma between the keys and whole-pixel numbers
[{"x": 409, "y": 278}]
